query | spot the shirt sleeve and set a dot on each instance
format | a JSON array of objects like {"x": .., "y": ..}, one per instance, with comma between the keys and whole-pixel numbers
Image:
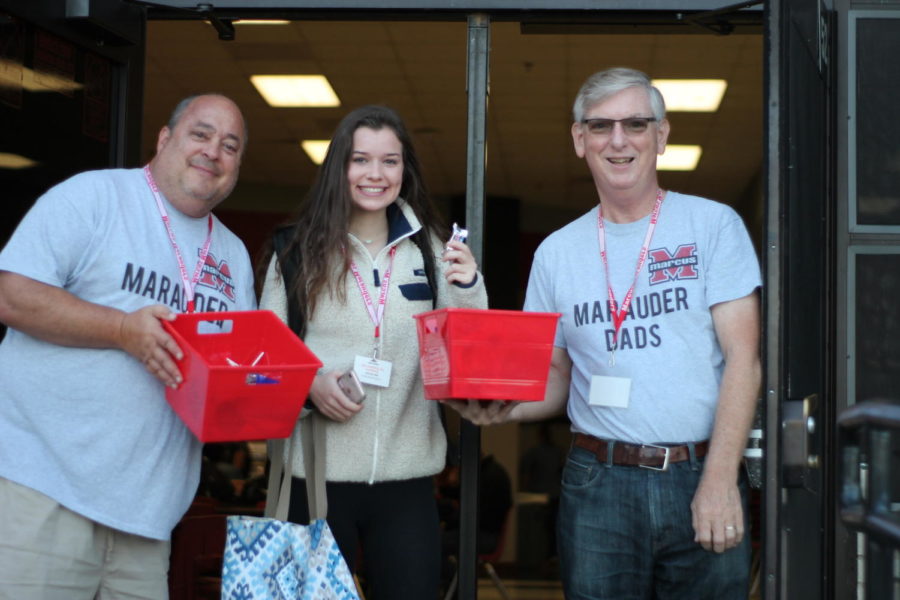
[
  {"x": 733, "y": 269},
  {"x": 539, "y": 293},
  {"x": 53, "y": 239}
]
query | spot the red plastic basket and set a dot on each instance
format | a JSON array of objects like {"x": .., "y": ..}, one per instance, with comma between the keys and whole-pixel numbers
[
  {"x": 485, "y": 354},
  {"x": 225, "y": 396}
]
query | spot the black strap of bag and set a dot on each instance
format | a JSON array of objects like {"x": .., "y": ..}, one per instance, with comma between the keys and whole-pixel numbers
[{"x": 289, "y": 265}]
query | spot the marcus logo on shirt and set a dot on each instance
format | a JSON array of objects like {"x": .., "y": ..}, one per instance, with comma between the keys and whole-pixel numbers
[
  {"x": 682, "y": 264},
  {"x": 217, "y": 275}
]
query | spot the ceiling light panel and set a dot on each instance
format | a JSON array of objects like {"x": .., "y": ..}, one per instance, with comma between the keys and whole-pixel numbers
[
  {"x": 315, "y": 150},
  {"x": 295, "y": 90},
  {"x": 679, "y": 158},
  {"x": 15, "y": 161},
  {"x": 692, "y": 95},
  {"x": 262, "y": 22}
]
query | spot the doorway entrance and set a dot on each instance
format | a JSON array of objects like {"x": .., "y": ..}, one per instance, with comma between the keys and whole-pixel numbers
[{"x": 534, "y": 183}]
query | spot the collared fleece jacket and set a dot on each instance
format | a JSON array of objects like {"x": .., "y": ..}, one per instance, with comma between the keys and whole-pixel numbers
[{"x": 398, "y": 433}]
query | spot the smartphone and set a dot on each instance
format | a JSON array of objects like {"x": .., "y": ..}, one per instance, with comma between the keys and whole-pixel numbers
[{"x": 350, "y": 385}]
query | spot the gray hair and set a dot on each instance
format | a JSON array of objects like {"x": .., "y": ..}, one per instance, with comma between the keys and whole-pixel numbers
[
  {"x": 604, "y": 84},
  {"x": 182, "y": 106}
]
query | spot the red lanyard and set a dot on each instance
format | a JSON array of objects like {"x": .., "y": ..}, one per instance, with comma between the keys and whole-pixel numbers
[
  {"x": 375, "y": 313},
  {"x": 189, "y": 284},
  {"x": 619, "y": 315}
]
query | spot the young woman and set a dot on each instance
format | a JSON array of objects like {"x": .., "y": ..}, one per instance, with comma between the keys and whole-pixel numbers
[{"x": 366, "y": 254}]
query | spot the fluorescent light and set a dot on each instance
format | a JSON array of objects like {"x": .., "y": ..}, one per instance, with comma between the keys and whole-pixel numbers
[
  {"x": 679, "y": 158},
  {"x": 315, "y": 149},
  {"x": 15, "y": 161},
  {"x": 13, "y": 75},
  {"x": 295, "y": 90},
  {"x": 261, "y": 22},
  {"x": 692, "y": 95}
]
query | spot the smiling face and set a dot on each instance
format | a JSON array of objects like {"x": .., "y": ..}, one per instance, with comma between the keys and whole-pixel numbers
[
  {"x": 621, "y": 161},
  {"x": 197, "y": 162},
  {"x": 375, "y": 169}
]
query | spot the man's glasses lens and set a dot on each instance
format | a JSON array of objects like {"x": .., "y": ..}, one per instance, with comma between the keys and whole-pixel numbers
[{"x": 631, "y": 125}]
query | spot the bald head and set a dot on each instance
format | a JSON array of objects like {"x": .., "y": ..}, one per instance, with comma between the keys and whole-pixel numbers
[{"x": 198, "y": 154}]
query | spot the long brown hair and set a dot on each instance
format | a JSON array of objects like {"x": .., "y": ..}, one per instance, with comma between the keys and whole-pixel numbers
[{"x": 318, "y": 236}]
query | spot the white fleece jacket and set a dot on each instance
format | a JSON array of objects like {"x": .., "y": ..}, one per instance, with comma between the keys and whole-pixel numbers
[{"x": 398, "y": 434}]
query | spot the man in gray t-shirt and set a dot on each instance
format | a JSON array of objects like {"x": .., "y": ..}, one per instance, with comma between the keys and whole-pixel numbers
[
  {"x": 95, "y": 467},
  {"x": 655, "y": 361}
]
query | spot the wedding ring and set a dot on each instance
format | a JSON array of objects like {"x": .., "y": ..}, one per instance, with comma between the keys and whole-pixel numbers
[{"x": 729, "y": 527}]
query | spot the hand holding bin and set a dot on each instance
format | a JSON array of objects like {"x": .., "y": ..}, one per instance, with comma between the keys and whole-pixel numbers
[
  {"x": 246, "y": 382},
  {"x": 485, "y": 354}
]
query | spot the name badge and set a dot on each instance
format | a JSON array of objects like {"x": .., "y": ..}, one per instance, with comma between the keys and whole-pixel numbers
[
  {"x": 373, "y": 371},
  {"x": 610, "y": 391}
]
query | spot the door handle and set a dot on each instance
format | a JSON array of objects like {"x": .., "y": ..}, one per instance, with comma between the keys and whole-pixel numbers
[{"x": 798, "y": 434}]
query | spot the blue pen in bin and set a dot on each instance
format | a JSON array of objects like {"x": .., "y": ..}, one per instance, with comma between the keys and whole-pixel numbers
[{"x": 258, "y": 378}]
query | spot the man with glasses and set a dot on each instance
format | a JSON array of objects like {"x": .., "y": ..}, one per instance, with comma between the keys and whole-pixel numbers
[{"x": 656, "y": 362}]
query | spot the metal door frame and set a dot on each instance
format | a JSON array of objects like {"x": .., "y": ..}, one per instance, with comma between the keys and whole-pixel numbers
[{"x": 784, "y": 35}]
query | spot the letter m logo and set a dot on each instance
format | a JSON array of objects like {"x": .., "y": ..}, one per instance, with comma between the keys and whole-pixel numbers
[
  {"x": 668, "y": 267},
  {"x": 217, "y": 276}
]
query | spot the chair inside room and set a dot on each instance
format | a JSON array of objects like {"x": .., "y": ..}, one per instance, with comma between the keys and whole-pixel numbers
[{"x": 487, "y": 561}]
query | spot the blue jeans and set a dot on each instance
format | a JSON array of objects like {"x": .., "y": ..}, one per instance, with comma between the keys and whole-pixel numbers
[{"x": 625, "y": 533}]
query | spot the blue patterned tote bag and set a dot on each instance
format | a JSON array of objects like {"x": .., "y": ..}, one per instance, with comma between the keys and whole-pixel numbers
[
  {"x": 268, "y": 559},
  {"x": 272, "y": 559}
]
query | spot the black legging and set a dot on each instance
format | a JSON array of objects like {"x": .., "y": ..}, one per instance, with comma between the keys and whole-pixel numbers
[{"x": 396, "y": 525}]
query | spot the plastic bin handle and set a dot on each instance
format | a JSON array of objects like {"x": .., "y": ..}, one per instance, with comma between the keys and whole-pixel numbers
[{"x": 196, "y": 320}]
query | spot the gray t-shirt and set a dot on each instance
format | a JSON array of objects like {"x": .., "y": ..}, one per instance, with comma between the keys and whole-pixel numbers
[
  {"x": 700, "y": 255},
  {"x": 91, "y": 428}
]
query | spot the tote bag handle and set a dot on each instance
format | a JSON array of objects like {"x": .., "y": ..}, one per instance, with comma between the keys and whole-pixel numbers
[{"x": 278, "y": 496}]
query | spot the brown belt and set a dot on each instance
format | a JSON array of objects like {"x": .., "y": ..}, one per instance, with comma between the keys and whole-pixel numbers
[{"x": 648, "y": 456}]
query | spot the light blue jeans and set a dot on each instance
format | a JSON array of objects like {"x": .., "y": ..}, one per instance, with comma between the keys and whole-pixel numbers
[{"x": 625, "y": 533}]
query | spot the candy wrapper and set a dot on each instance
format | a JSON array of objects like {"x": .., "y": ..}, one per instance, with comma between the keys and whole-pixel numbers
[{"x": 459, "y": 235}]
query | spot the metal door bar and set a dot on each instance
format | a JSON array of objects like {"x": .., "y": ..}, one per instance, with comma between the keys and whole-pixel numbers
[
  {"x": 477, "y": 71},
  {"x": 866, "y": 433},
  {"x": 772, "y": 583}
]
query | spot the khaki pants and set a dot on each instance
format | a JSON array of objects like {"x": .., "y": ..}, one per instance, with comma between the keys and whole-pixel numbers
[{"x": 48, "y": 552}]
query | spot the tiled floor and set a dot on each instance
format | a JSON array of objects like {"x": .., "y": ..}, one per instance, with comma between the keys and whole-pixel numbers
[
  {"x": 536, "y": 589},
  {"x": 532, "y": 589},
  {"x": 521, "y": 589}
]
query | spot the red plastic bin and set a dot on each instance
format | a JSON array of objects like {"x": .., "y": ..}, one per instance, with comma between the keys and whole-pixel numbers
[
  {"x": 485, "y": 354},
  {"x": 222, "y": 402}
]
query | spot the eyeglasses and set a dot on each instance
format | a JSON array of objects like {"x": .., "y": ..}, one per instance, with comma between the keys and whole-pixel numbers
[{"x": 631, "y": 125}]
